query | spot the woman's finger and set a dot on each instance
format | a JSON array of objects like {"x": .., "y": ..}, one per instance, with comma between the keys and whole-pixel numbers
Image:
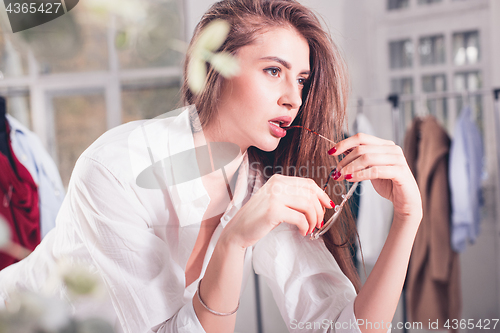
[
  {"x": 359, "y": 151},
  {"x": 310, "y": 184},
  {"x": 369, "y": 161},
  {"x": 357, "y": 140},
  {"x": 291, "y": 185},
  {"x": 310, "y": 206},
  {"x": 294, "y": 217},
  {"x": 303, "y": 195},
  {"x": 390, "y": 172}
]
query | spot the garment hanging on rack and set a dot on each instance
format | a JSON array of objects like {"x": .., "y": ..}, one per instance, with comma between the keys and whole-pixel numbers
[
  {"x": 496, "y": 118},
  {"x": 375, "y": 212},
  {"x": 433, "y": 280},
  {"x": 4, "y": 125},
  {"x": 18, "y": 205},
  {"x": 29, "y": 150},
  {"x": 466, "y": 169}
]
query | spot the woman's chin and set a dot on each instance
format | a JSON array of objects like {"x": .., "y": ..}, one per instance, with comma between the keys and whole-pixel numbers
[{"x": 269, "y": 146}]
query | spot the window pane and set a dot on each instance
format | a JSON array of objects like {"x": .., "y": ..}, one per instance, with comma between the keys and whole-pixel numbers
[
  {"x": 470, "y": 81},
  {"x": 396, "y": 4},
  {"x": 13, "y": 58},
  {"x": 404, "y": 86},
  {"x": 432, "y": 50},
  {"x": 18, "y": 106},
  {"x": 434, "y": 83},
  {"x": 466, "y": 48},
  {"x": 74, "y": 42},
  {"x": 401, "y": 54},
  {"x": 149, "y": 102},
  {"x": 79, "y": 121},
  {"x": 472, "y": 49},
  {"x": 436, "y": 106},
  {"x": 153, "y": 41}
]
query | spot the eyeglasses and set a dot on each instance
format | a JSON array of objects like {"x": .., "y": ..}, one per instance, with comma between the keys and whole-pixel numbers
[{"x": 345, "y": 197}]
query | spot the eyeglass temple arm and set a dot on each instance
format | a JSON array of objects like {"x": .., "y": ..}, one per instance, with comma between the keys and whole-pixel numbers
[{"x": 338, "y": 208}]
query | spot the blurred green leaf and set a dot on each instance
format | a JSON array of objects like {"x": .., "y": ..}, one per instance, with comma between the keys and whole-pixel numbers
[{"x": 121, "y": 39}]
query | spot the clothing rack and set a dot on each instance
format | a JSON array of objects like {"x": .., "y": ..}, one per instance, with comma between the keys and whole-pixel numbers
[{"x": 396, "y": 99}]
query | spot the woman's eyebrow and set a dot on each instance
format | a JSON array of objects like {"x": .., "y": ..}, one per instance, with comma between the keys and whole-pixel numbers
[{"x": 285, "y": 63}]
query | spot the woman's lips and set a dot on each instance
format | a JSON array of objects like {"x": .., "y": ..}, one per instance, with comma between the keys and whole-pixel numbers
[{"x": 276, "y": 130}]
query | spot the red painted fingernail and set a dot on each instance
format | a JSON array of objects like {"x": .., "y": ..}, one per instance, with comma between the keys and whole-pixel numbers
[
  {"x": 332, "y": 151},
  {"x": 337, "y": 175},
  {"x": 332, "y": 203},
  {"x": 348, "y": 176},
  {"x": 322, "y": 224},
  {"x": 333, "y": 173}
]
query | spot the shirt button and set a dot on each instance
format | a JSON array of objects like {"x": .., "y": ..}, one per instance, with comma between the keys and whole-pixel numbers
[{"x": 226, "y": 218}]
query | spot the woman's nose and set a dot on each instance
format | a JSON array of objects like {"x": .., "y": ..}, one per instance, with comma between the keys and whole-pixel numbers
[{"x": 291, "y": 96}]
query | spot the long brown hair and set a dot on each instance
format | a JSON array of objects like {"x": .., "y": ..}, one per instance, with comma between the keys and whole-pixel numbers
[{"x": 323, "y": 108}]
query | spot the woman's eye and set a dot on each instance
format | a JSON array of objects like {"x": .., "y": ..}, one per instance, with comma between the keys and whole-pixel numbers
[
  {"x": 274, "y": 71},
  {"x": 301, "y": 81}
]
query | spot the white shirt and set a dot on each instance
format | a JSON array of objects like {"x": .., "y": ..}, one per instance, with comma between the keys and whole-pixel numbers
[
  {"x": 140, "y": 239},
  {"x": 30, "y": 152}
]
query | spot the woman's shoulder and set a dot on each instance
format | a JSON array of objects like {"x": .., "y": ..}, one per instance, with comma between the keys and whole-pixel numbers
[
  {"x": 128, "y": 149},
  {"x": 124, "y": 150},
  {"x": 111, "y": 147}
]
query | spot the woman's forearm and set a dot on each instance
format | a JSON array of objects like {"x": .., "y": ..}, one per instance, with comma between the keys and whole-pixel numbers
[
  {"x": 220, "y": 287},
  {"x": 378, "y": 298}
]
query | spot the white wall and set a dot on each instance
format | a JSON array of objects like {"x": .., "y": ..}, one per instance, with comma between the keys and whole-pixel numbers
[{"x": 194, "y": 10}]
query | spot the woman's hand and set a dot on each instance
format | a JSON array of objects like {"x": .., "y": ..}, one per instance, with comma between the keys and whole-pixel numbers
[
  {"x": 382, "y": 162},
  {"x": 294, "y": 200}
]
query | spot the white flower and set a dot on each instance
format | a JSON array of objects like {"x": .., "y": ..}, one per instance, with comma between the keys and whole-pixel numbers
[
  {"x": 226, "y": 64},
  {"x": 213, "y": 35},
  {"x": 79, "y": 279},
  {"x": 31, "y": 312},
  {"x": 196, "y": 74},
  {"x": 209, "y": 40}
]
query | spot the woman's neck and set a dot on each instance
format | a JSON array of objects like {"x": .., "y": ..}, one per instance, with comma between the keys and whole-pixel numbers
[{"x": 202, "y": 138}]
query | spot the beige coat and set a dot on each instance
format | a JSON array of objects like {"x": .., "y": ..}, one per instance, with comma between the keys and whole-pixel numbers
[{"x": 433, "y": 280}]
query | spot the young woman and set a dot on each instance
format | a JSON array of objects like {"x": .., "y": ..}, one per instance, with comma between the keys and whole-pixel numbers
[{"x": 175, "y": 258}]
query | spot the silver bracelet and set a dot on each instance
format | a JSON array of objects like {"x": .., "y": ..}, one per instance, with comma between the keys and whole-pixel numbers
[{"x": 212, "y": 311}]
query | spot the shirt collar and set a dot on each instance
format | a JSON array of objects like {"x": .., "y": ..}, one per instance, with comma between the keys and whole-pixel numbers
[{"x": 190, "y": 199}]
